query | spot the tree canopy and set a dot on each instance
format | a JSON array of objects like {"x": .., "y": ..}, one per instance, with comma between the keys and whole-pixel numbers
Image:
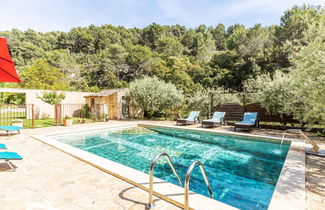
[
  {"x": 300, "y": 90},
  {"x": 283, "y": 63},
  {"x": 52, "y": 97},
  {"x": 41, "y": 75},
  {"x": 101, "y": 57}
]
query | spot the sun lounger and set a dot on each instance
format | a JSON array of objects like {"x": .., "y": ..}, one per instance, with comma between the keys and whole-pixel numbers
[
  {"x": 217, "y": 119},
  {"x": 192, "y": 118},
  {"x": 10, "y": 128},
  {"x": 250, "y": 120},
  {"x": 7, "y": 156},
  {"x": 3, "y": 146}
]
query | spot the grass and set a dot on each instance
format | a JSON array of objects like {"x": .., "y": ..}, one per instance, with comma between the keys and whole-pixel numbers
[
  {"x": 41, "y": 123},
  {"x": 27, "y": 123},
  {"x": 7, "y": 121},
  {"x": 50, "y": 122}
]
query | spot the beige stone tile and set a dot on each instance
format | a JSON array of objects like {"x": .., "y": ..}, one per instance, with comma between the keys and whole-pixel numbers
[{"x": 48, "y": 179}]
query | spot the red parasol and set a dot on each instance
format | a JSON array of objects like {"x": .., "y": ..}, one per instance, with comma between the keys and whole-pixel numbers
[{"x": 7, "y": 67}]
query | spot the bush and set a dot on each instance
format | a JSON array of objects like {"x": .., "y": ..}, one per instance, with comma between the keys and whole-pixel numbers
[
  {"x": 152, "y": 95},
  {"x": 85, "y": 111},
  {"x": 12, "y": 98}
]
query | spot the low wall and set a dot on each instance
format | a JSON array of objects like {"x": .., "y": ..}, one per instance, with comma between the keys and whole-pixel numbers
[{"x": 71, "y": 97}]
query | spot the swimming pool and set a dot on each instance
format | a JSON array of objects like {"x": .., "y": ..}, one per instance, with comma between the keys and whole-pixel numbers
[{"x": 242, "y": 171}]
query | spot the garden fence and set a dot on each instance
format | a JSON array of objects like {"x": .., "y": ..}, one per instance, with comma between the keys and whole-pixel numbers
[
  {"x": 80, "y": 113},
  {"x": 234, "y": 112},
  {"x": 20, "y": 115}
]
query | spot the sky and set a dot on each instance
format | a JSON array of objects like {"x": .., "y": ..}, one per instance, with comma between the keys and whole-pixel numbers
[{"x": 63, "y": 15}]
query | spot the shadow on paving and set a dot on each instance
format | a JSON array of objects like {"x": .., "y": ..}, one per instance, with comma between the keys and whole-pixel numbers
[{"x": 315, "y": 174}]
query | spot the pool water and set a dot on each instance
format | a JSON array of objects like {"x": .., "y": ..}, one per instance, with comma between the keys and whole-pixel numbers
[{"x": 242, "y": 172}]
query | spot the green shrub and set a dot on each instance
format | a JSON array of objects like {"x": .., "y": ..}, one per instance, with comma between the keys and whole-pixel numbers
[
  {"x": 85, "y": 111},
  {"x": 152, "y": 96}
]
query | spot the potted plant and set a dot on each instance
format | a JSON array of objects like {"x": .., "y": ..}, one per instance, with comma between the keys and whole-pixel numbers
[
  {"x": 17, "y": 122},
  {"x": 67, "y": 121},
  {"x": 94, "y": 116}
]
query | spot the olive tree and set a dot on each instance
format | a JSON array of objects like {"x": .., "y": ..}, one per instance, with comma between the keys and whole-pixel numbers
[
  {"x": 308, "y": 83},
  {"x": 274, "y": 92},
  {"x": 205, "y": 100},
  {"x": 52, "y": 97},
  {"x": 152, "y": 95},
  {"x": 200, "y": 101},
  {"x": 300, "y": 91}
]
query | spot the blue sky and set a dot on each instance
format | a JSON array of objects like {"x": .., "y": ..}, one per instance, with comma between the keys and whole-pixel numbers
[{"x": 50, "y": 15}]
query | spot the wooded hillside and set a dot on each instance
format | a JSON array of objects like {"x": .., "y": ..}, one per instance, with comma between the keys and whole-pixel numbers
[{"x": 102, "y": 57}]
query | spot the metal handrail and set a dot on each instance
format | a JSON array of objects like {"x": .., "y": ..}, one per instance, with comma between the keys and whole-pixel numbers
[
  {"x": 187, "y": 182},
  {"x": 153, "y": 162}
]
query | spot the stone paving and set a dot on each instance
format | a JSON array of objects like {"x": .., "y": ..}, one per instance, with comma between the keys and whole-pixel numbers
[
  {"x": 315, "y": 179},
  {"x": 49, "y": 179}
]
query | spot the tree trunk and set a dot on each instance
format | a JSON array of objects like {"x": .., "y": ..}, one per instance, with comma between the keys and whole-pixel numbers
[{"x": 147, "y": 114}]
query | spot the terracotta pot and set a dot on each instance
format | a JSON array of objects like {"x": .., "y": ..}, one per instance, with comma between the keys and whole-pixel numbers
[{"x": 67, "y": 122}]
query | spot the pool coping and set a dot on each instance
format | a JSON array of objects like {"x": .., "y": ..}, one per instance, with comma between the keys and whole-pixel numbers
[{"x": 288, "y": 192}]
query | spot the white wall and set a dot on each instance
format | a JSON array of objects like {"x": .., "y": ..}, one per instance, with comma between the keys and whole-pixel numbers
[{"x": 71, "y": 97}]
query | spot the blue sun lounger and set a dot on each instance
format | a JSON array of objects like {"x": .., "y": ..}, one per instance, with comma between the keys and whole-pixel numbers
[
  {"x": 10, "y": 128},
  {"x": 250, "y": 120},
  {"x": 217, "y": 119},
  {"x": 3, "y": 146},
  {"x": 192, "y": 118},
  {"x": 7, "y": 156}
]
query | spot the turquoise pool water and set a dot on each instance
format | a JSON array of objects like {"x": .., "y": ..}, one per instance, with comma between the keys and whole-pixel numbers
[{"x": 242, "y": 172}]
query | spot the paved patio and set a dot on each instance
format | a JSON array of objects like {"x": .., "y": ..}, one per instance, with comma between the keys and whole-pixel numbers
[{"x": 49, "y": 179}]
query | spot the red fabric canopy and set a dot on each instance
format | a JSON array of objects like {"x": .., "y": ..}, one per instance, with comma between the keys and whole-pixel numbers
[{"x": 7, "y": 67}]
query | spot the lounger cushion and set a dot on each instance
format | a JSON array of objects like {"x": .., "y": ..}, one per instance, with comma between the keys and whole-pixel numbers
[
  {"x": 191, "y": 118},
  {"x": 10, "y": 128},
  {"x": 3, "y": 146},
  {"x": 10, "y": 156},
  {"x": 211, "y": 120},
  {"x": 185, "y": 120},
  {"x": 248, "y": 119},
  {"x": 193, "y": 115},
  {"x": 240, "y": 123},
  {"x": 218, "y": 115}
]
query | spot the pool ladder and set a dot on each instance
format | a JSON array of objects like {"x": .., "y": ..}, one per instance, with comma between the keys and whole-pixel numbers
[
  {"x": 187, "y": 179},
  {"x": 153, "y": 162}
]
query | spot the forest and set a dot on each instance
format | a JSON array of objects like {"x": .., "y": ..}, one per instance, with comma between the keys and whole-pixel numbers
[
  {"x": 281, "y": 66},
  {"x": 103, "y": 57}
]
